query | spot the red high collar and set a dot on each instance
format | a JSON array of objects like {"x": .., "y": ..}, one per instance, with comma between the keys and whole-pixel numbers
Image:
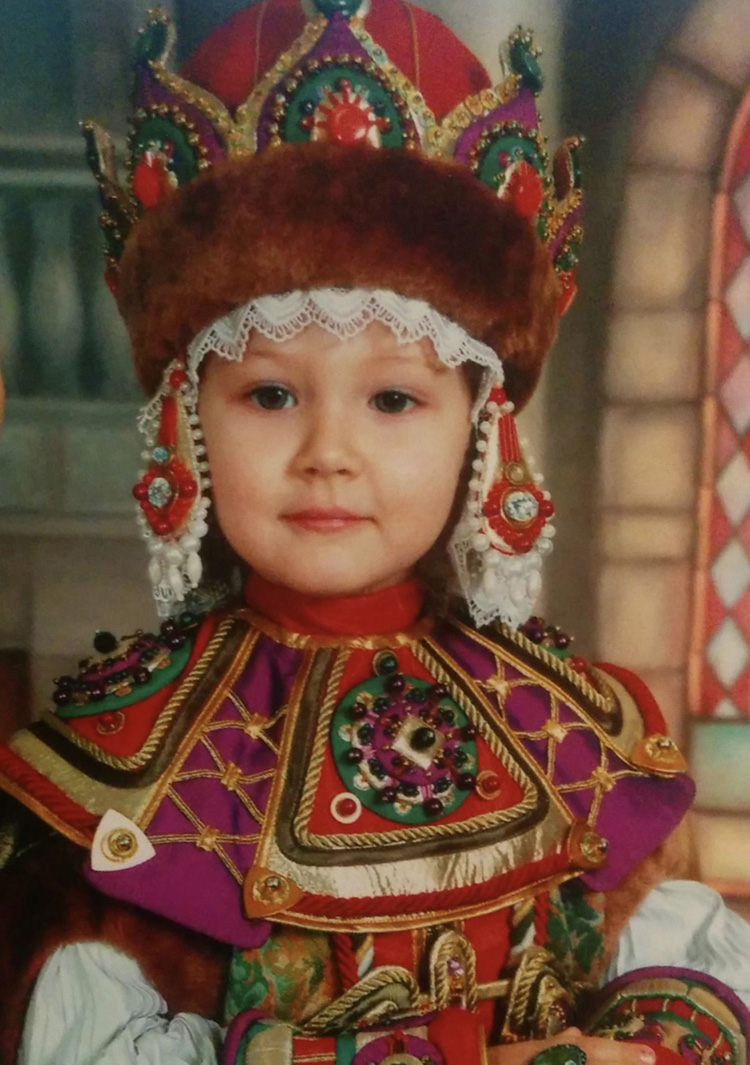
[{"x": 373, "y": 614}]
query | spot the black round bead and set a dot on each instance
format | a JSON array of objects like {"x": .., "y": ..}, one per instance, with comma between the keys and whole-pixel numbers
[
  {"x": 459, "y": 756},
  {"x": 105, "y": 642},
  {"x": 468, "y": 732},
  {"x": 422, "y": 738},
  {"x": 416, "y": 695},
  {"x": 141, "y": 675},
  {"x": 376, "y": 768},
  {"x": 168, "y": 626},
  {"x": 365, "y": 732},
  {"x": 385, "y": 662},
  {"x": 439, "y": 691},
  {"x": 441, "y": 784},
  {"x": 381, "y": 703},
  {"x": 65, "y": 682},
  {"x": 562, "y": 640},
  {"x": 353, "y": 756},
  {"x": 448, "y": 716},
  {"x": 175, "y": 641},
  {"x": 409, "y": 789},
  {"x": 432, "y": 807},
  {"x": 389, "y": 794},
  {"x": 62, "y": 697},
  {"x": 395, "y": 684},
  {"x": 357, "y": 711},
  {"x": 96, "y": 692},
  {"x": 466, "y": 781}
]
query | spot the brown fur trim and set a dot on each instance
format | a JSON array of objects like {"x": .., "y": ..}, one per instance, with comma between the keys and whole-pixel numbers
[
  {"x": 46, "y": 904},
  {"x": 670, "y": 861},
  {"x": 320, "y": 215}
]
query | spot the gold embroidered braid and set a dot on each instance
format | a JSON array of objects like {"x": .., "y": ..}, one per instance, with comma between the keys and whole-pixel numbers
[
  {"x": 307, "y": 799},
  {"x": 248, "y": 114},
  {"x": 604, "y": 700},
  {"x": 380, "y": 979},
  {"x": 163, "y": 721}
]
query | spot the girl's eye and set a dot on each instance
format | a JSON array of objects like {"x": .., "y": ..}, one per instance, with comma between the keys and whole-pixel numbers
[
  {"x": 393, "y": 401},
  {"x": 272, "y": 397}
]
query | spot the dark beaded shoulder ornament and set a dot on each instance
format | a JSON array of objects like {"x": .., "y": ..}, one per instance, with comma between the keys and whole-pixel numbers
[{"x": 121, "y": 665}]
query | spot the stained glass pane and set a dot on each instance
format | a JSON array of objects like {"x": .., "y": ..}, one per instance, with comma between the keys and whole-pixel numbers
[{"x": 721, "y": 658}]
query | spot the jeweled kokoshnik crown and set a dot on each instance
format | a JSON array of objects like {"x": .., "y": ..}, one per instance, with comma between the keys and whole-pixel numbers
[{"x": 335, "y": 83}]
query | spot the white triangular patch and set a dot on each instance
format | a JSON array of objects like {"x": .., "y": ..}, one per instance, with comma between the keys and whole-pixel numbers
[{"x": 119, "y": 844}]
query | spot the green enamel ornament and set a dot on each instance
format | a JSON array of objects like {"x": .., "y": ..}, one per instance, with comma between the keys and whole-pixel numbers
[
  {"x": 562, "y": 1054},
  {"x": 153, "y": 42},
  {"x": 524, "y": 63},
  {"x": 329, "y": 8}
]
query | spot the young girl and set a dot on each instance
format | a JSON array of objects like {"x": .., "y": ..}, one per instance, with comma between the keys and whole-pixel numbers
[{"x": 342, "y": 808}]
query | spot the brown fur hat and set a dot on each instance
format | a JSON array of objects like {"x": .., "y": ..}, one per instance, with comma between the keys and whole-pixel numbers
[{"x": 322, "y": 215}]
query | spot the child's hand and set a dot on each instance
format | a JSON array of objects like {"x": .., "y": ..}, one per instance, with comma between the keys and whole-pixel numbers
[{"x": 597, "y": 1051}]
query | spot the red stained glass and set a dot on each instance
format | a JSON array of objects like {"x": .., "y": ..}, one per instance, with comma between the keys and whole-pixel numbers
[{"x": 724, "y": 554}]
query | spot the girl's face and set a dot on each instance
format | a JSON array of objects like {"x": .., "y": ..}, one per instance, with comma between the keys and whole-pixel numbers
[{"x": 334, "y": 463}]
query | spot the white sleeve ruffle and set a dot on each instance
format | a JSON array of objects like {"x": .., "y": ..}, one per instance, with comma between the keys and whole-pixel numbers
[
  {"x": 92, "y": 1005},
  {"x": 685, "y": 924}
]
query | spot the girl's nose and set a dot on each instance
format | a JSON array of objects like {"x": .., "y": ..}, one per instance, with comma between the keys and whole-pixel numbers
[{"x": 327, "y": 446}]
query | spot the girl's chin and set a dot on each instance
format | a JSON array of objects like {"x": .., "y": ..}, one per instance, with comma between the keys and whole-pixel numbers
[{"x": 336, "y": 585}]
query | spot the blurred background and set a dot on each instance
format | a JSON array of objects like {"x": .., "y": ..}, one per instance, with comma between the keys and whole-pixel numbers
[{"x": 641, "y": 425}]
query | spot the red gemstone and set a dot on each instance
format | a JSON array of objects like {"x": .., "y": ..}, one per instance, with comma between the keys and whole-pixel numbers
[
  {"x": 525, "y": 190},
  {"x": 348, "y": 124},
  {"x": 148, "y": 184},
  {"x": 162, "y": 527},
  {"x": 140, "y": 490}
]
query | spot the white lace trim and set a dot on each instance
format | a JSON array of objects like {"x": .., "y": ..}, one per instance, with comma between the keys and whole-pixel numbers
[{"x": 345, "y": 313}]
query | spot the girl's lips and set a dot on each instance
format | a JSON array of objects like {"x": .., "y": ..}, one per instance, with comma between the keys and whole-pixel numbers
[{"x": 324, "y": 519}]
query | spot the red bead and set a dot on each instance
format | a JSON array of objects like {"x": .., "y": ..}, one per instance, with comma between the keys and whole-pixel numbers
[
  {"x": 140, "y": 490},
  {"x": 188, "y": 488},
  {"x": 346, "y": 807},
  {"x": 546, "y": 508},
  {"x": 177, "y": 378},
  {"x": 577, "y": 663},
  {"x": 162, "y": 527}
]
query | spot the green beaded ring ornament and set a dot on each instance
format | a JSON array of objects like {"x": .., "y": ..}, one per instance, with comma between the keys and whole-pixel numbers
[{"x": 562, "y": 1054}]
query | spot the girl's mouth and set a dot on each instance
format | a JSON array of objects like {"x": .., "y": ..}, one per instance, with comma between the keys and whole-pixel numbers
[{"x": 324, "y": 519}]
